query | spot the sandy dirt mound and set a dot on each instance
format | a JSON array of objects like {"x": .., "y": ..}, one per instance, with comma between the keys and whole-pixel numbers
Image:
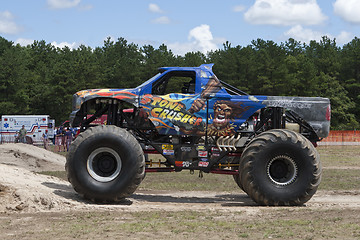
[
  {"x": 21, "y": 188},
  {"x": 28, "y": 191},
  {"x": 30, "y": 157}
]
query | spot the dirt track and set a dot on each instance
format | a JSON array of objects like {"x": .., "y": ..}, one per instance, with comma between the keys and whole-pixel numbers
[{"x": 24, "y": 190}]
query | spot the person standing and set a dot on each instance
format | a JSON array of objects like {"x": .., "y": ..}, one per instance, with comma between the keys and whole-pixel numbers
[
  {"x": 45, "y": 139},
  {"x": 22, "y": 134},
  {"x": 16, "y": 137},
  {"x": 68, "y": 137},
  {"x": 63, "y": 137},
  {"x": 58, "y": 140}
]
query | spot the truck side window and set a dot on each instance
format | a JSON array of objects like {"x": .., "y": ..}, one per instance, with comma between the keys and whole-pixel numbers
[{"x": 175, "y": 82}]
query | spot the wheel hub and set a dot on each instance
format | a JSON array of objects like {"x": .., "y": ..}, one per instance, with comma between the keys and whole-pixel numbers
[
  {"x": 282, "y": 170},
  {"x": 104, "y": 164}
]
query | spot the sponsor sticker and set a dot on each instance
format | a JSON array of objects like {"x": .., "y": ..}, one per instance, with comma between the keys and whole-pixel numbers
[
  {"x": 167, "y": 147},
  {"x": 186, "y": 149},
  {"x": 179, "y": 163},
  {"x": 202, "y": 154},
  {"x": 200, "y": 148},
  {"x": 215, "y": 151},
  {"x": 203, "y": 164},
  {"x": 184, "y": 164},
  {"x": 168, "y": 152}
]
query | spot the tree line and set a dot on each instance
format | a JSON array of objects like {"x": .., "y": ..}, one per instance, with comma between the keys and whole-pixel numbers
[{"x": 41, "y": 79}]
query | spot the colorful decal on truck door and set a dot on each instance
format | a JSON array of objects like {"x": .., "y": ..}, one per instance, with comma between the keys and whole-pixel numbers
[
  {"x": 224, "y": 114},
  {"x": 169, "y": 113}
]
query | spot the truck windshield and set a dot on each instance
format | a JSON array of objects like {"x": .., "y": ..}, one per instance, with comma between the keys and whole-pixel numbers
[{"x": 150, "y": 80}]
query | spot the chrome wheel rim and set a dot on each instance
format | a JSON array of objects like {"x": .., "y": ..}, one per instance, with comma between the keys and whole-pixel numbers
[
  {"x": 104, "y": 164},
  {"x": 282, "y": 170}
]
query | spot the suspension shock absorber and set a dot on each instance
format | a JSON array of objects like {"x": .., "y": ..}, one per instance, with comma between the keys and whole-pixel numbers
[{"x": 276, "y": 118}]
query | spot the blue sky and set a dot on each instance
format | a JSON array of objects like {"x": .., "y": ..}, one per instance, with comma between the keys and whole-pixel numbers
[{"x": 183, "y": 26}]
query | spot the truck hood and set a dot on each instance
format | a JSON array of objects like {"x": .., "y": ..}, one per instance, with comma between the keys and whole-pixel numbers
[{"x": 129, "y": 95}]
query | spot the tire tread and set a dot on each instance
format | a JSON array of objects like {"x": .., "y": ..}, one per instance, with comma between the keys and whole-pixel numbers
[{"x": 260, "y": 143}]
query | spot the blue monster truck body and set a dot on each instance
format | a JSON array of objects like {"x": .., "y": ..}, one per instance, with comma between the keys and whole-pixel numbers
[{"x": 198, "y": 122}]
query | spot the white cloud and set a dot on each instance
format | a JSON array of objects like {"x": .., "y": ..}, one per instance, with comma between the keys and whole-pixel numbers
[
  {"x": 65, "y": 44},
  {"x": 24, "y": 41},
  {"x": 344, "y": 37},
  {"x": 7, "y": 23},
  {"x": 285, "y": 12},
  {"x": 203, "y": 38},
  {"x": 200, "y": 39},
  {"x": 60, "y": 4},
  {"x": 161, "y": 20},
  {"x": 306, "y": 35},
  {"x": 181, "y": 48},
  {"x": 302, "y": 34},
  {"x": 155, "y": 8},
  {"x": 238, "y": 8},
  {"x": 348, "y": 10}
]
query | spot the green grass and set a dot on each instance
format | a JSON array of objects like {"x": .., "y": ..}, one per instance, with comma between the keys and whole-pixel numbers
[
  {"x": 340, "y": 156},
  {"x": 278, "y": 223},
  {"x": 341, "y": 167},
  {"x": 340, "y": 179},
  {"x": 184, "y": 181},
  {"x": 52, "y": 148}
]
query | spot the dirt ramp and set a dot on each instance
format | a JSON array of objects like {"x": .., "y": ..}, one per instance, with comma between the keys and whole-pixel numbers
[
  {"x": 30, "y": 157},
  {"x": 21, "y": 187},
  {"x": 27, "y": 191}
]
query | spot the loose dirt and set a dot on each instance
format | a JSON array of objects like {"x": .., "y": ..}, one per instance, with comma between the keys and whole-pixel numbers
[{"x": 23, "y": 189}]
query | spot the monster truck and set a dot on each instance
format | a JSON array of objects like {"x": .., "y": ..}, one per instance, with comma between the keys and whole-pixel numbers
[{"x": 197, "y": 122}]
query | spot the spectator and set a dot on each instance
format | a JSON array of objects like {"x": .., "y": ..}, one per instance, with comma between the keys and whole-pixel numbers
[
  {"x": 58, "y": 140},
  {"x": 45, "y": 139},
  {"x": 22, "y": 134},
  {"x": 68, "y": 138},
  {"x": 16, "y": 137},
  {"x": 63, "y": 137}
]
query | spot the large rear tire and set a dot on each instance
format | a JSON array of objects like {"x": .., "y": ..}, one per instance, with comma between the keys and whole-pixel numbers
[
  {"x": 105, "y": 164},
  {"x": 280, "y": 167},
  {"x": 236, "y": 177}
]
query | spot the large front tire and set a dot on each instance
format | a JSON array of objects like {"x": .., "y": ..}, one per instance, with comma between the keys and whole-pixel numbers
[
  {"x": 280, "y": 167},
  {"x": 105, "y": 164}
]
